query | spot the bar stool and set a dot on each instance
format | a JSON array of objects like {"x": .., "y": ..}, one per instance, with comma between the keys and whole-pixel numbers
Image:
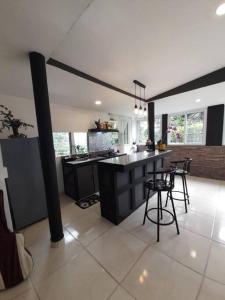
[
  {"x": 165, "y": 184},
  {"x": 182, "y": 168}
]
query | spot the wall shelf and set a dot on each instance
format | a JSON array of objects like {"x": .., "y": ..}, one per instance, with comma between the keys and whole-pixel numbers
[{"x": 102, "y": 130}]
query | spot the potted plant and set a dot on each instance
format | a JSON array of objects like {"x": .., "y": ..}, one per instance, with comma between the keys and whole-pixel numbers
[
  {"x": 172, "y": 130},
  {"x": 8, "y": 121}
]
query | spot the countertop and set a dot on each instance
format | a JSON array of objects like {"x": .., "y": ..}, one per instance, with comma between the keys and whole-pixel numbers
[
  {"x": 91, "y": 160},
  {"x": 127, "y": 161}
]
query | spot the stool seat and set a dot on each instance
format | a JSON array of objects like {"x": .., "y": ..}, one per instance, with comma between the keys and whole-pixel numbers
[
  {"x": 158, "y": 185},
  {"x": 181, "y": 172}
]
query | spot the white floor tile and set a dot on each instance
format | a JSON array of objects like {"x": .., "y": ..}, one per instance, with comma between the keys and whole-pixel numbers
[
  {"x": 121, "y": 294},
  {"x": 117, "y": 251},
  {"x": 52, "y": 259},
  {"x": 89, "y": 227},
  {"x": 196, "y": 222},
  {"x": 16, "y": 291},
  {"x": 83, "y": 278},
  {"x": 212, "y": 290},
  {"x": 158, "y": 277},
  {"x": 216, "y": 264},
  {"x": 187, "y": 248}
]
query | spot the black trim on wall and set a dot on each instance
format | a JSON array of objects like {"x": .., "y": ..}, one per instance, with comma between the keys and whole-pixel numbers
[
  {"x": 214, "y": 129},
  {"x": 208, "y": 79},
  {"x": 64, "y": 67},
  {"x": 151, "y": 121},
  {"x": 164, "y": 127}
]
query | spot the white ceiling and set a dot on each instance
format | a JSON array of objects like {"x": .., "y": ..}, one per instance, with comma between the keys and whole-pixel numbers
[
  {"x": 210, "y": 95},
  {"x": 161, "y": 43}
]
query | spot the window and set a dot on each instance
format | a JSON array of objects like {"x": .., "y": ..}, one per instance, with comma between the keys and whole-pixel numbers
[
  {"x": 195, "y": 128},
  {"x": 186, "y": 128},
  {"x": 115, "y": 138},
  {"x": 158, "y": 130},
  {"x": 79, "y": 143},
  {"x": 176, "y": 129},
  {"x": 142, "y": 131},
  {"x": 61, "y": 143}
]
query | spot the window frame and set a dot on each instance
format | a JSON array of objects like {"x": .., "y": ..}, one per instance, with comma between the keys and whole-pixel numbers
[{"x": 185, "y": 113}]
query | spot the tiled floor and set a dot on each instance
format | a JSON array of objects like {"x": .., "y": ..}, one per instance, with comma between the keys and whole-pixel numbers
[{"x": 103, "y": 261}]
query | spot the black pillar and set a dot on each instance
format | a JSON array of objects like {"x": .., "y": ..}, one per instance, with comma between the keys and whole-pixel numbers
[
  {"x": 164, "y": 128},
  {"x": 214, "y": 129},
  {"x": 41, "y": 98},
  {"x": 151, "y": 121}
]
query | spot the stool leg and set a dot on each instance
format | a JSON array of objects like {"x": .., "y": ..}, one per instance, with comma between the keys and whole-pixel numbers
[
  {"x": 167, "y": 197},
  {"x": 185, "y": 182},
  {"x": 160, "y": 202},
  {"x": 184, "y": 192},
  {"x": 146, "y": 206},
  {"x": 158, "y": 208},
  {"x": 174, "y": 212}
]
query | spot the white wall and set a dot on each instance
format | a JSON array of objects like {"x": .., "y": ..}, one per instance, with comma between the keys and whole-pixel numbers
[{"x": 64, "y": 118}]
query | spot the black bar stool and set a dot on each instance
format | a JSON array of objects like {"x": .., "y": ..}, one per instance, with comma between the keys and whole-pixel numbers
[
  {"x": 165, "y": 184},
  {"x": 182, "y": 168}
]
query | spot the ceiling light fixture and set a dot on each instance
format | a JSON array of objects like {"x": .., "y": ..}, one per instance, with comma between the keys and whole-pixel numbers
[
  {"x": 140, "y": 107},
  {"x": 145, "y": 109},
  {"x": 98, "y": 102},
  {"x": 220, "y": 11},
  {"x": 139, "y": 111},
  {"x": 198, "y": 100},
  {"x": 135, "y": 106}
]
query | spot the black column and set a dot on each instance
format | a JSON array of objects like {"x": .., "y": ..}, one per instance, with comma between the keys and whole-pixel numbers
[
  {"x": 214, "y": 129},
  {"x": 164, "y": 128},
  {"x": 41, "y": 98},
  {"x": 151, "y": 121}
]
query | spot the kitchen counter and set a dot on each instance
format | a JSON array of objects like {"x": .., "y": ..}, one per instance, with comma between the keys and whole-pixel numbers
[
  {"x": 122, "y": 182},
  {"x": 82, "y": 161},
  {"x": 126, "y": 162}
]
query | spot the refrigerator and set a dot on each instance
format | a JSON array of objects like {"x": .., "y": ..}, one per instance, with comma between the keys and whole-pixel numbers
[{"x": 25, "y": 183}]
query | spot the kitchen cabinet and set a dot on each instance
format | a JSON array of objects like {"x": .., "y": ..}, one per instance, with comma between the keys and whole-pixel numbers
[{"x": 80, "y": 178}]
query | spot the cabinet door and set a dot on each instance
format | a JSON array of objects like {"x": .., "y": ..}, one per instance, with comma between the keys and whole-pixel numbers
[
  {"x": 95, "y": 173},
  {"x": 85, "y": 181}
]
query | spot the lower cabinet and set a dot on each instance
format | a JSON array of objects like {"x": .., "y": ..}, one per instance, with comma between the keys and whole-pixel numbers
[
  {"x": 80, "y": 180},
  {"x": 85, "y": 181}
]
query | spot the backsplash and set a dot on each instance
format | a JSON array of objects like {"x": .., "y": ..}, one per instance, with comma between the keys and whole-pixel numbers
[{"x": 99, "y": 141}]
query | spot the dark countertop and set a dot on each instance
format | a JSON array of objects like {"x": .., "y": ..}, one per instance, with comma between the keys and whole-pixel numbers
[
  {"x": 90, "y": 160},
  {"x": 128, "y": 161}
]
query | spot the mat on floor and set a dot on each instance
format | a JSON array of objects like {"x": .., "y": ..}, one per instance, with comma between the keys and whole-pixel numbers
[{"x": 89, "y": 201}]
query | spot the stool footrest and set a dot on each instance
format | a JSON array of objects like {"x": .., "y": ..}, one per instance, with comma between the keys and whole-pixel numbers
[
  {"x": 177, "y": 199},
  {"x": 155, "y": 222}
]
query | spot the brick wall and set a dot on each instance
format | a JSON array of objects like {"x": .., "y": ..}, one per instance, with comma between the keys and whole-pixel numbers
[{"x": 208, "y": 161}]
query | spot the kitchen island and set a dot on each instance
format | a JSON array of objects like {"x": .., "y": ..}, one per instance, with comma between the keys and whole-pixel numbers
[{"x": 121, "y": 182}]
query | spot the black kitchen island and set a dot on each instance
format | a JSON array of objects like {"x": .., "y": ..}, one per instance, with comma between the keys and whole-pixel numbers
[{"x": 121, "y": 182}]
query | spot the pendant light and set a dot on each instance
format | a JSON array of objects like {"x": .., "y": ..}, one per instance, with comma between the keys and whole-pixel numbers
[
  {"x": 145, "y": 109},
  {"x": 135, "y": 106},
  {"x": 140, "y": 107}
]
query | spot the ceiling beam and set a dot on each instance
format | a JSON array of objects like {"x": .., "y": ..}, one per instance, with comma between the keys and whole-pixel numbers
[
  {"x": 64, "y": 67},
  {"x": 203, "y": 81}
]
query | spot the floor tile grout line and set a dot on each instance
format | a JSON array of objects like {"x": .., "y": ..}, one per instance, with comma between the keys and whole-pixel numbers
[
  {"x": 107, "y": 270},
  {"x": 207, "y": 261},
  {"x": 36, "y": 291}
]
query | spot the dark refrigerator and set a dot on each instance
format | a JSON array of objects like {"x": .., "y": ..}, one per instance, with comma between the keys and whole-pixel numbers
[{"x": 25, "y": 184}]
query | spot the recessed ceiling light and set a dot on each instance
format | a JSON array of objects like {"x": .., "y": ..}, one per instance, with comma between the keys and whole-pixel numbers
[
  {"x": 98, "y": 102},
  {"x": 197, "y": 100},
  {"x": 220, "y": 11}
]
